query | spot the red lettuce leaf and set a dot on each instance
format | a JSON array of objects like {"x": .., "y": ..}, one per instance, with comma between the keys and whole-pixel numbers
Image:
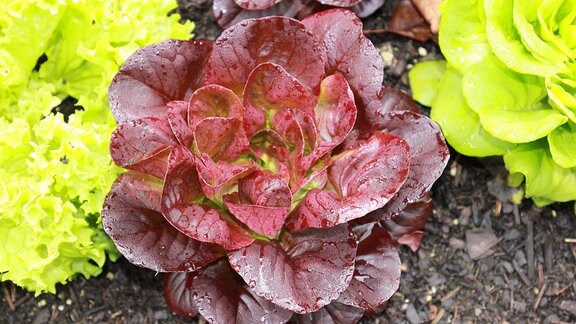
[
  {"x": 213, "y": 101},
  {"x": 182, "y": 209},
  {"x": 177, "y": 289},
  {"x": 362, "y": 179},
  {"x": 377, "y": 270},
  {"x": 228, "y": 13},
  {"x": 335, "y": 312},
  {"x": 262, "y": 202},
  {"x": 216, "y": 178},
  {"x": 335, "y": 110},
  {"x": 428, "y": 151},
  {"x": 284, "y": 41},
  {"x": 142, "y": 145},
  {"x": 132, "y": 218},
  {"x": 339, "y": 3},
  {"x": 269, "y": 89},
  {"x": 335, "y": 115},
  {"x": 297, "y": 129},
  {"x": 268, "y": 143},
  {"x": 304, "y": 272},
  {"x": 256, "y": 4},
  {"x": 181, "y": 184},
  {"x": 394, "y": 100},
  {"x": 156, "y": 75},
  {"x": 221, "y": 138},
  {"x": 298, "y": 134},
  {"x": 350, "y": 53},
  {"x": 412, "y": 240},
  {"x": 365, "y": 8},
  {"x": 405, "y": 227},
  {"x": 223, "y": 297},
  {"x": 177, "y": 112},
  {"x": 362, "y": 9}
]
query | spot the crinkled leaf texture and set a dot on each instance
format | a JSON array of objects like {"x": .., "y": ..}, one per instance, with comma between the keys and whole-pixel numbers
[
  {"x": 507, "y": 88},
  {"x": 56, "y": 171},
  {"x": 262, "y": 168}
]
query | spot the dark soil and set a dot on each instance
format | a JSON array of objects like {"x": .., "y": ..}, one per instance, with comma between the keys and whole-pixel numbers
[{"x": 523, "y": 270}]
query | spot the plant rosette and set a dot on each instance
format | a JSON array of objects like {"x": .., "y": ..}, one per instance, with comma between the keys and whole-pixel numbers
[
  {"x": 230, "y": 12},
  {"x": 265, "y": 168},
  {"x": 508, "y": 88}
]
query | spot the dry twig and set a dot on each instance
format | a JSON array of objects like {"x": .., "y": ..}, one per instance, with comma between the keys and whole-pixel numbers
[
  {"x": 540, "y": 294},
  {"x": 8, "y": 298}
]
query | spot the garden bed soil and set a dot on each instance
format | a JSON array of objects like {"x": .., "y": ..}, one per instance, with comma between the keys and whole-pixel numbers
[{"x": 482, "y": 260}]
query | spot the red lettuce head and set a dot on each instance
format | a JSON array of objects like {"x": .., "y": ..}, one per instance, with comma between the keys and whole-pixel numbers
[
  {"x": 265, "y": 168},
  {"x": 229, "y": 12}
]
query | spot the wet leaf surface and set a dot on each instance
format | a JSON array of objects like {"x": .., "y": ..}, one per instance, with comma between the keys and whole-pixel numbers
[
  {"x": 156, "y": 75},
  {"x": 440, "y": 282},
  {"x": 306, "y": 271}
]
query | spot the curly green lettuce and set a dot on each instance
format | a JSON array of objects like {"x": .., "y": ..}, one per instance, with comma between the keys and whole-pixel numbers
[
  {"x": 55, "y": 173},
  {"x": 507, "y": 87}
]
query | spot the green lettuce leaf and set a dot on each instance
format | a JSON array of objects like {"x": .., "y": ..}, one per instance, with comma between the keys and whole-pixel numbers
[
  {"x": 545, "y": 180},
  {"x": 459, "y": 123},
  {"x": 514, "y": 111},
  {"x": 562, "y": 93},
  {"x": 508, "y": 88},
  {"x": 425, "y": 80},
  {"x": 463, "y": 39},
  {"x": 25, "y": 28},
  {"x": 55, "y": 174},
  {"x": 511, "y": 30},
  {"x": 562, "y": 143}
]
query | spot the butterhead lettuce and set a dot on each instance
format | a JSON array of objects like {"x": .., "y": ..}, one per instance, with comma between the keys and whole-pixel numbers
[{"x": 508, "y": 88}]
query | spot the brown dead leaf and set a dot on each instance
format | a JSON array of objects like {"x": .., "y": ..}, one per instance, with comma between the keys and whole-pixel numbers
[
  {"x": 431, "y": 12},
  {"x": 407, "y": 21}
]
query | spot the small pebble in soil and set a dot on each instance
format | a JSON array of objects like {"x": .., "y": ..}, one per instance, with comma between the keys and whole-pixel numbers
[
  {"x": 387, "y": 53},
  {"x": 422, "y": 51}
]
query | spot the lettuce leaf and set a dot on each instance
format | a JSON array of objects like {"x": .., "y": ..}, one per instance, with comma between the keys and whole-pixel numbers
[
  {"x": 459, "y": 123},
  {"x": 55, "y": 173},
  {"x": 507, "y": 39},
  {"x": 515, "y": 102},
  {"x": 508, "y": 88},
  {"x": 546, "y": 181},
  {"x": 562, "y": 143},
  {"x": 425, "y": 80},
  {"x": 463, "y": 38},
  {"x": 25, "y": 28}
]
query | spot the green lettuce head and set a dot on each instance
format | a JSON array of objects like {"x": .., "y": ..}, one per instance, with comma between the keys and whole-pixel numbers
[
  {"x": 55, "y": 172},
  {"x": 508, "y": 88}
]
